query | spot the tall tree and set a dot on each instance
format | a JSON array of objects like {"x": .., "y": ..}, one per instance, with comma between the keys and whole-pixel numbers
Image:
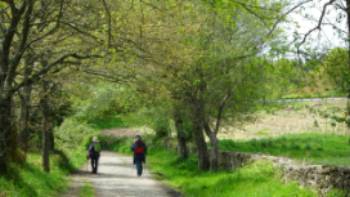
[
  {"x": 51, "y": 28},
  {"x": 333, "y": 13}
]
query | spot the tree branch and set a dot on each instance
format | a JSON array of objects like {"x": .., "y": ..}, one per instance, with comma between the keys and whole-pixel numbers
[
  {"x": 109, "y": 22},
  {"x": 36, "y": 76},
  {"x": 107, "y": 75},
  {"x": 281, "y": 17},
  {"x": 24, "y": 37},
  {"x": 9, "y": 36},
  {"x": 53, "y": 29},
  {"x": 318, "y": 26},
  {"x": 221, "y": 109},
  {"x": 77, "y": 29}
]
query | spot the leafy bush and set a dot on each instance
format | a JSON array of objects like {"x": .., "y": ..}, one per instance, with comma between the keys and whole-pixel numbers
[
  {"x": 108, "y": 101},
  {"x": 72, "y": 134}
]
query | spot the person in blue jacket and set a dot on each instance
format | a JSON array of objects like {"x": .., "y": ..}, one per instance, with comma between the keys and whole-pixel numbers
[{"x": 140, "y": 149}]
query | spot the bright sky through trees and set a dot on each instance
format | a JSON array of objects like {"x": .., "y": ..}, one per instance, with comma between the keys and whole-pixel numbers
[{"x": 333, "y": 31}]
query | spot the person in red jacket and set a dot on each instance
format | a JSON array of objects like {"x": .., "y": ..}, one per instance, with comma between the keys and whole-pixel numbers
[{"x": 140, "y": 149}]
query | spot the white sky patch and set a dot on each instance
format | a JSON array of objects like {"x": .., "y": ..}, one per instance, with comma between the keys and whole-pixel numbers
[{"x": 333, "y": 30}]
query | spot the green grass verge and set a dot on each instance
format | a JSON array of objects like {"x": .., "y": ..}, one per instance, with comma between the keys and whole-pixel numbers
[
  {"x": 314, "y": 148},
  {"x": 257, "y": 179},
  {"x": 30, "y": 180},
  {"x": 87, "y": 190}
]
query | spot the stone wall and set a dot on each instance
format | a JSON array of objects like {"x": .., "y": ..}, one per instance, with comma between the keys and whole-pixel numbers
[{"x": 320, "y": 177}]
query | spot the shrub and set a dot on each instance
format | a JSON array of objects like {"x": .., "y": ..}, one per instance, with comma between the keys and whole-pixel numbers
[{"x": 72, "y": 134}]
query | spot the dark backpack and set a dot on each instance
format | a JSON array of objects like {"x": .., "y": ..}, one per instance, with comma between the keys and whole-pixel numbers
[
  {"x": 94, "y": 149},
  {"x": 140, "y": 148}
]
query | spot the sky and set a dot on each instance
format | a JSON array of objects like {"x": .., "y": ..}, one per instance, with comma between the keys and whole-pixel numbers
[{"x": 306, "y": 18}]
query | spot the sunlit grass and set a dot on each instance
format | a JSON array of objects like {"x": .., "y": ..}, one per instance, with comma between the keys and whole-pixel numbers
[
  {"x": 256, "y": 179},
  {"x": 30, "y": 180},
  {"x": 87, "y": 190},
  {"x": 310, "y": 147}
]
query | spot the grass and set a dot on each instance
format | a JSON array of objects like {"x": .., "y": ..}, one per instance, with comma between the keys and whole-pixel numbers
[
  {"x": 30, "y": 180},
  {"x": 87, "y": 190},
  {"x": 257, "y": 179},
  {"x": 315, "y": 148}
]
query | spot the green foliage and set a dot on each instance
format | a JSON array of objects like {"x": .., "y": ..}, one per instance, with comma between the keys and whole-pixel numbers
[
  {"x": 336, "y": 65},
  {"x": 108, "y": 122},
  {"x": 72, "y": 138},
  {"x": 107, "y": 101},
  {"x": 160, "y": 123},
  {"x": 314, "y": 148},
  {"x": 155, "y": 117},
  {"x": 73, "y": 133},
  {"x": 321, "y": 75},
  {"x": 121, "y": 145}
]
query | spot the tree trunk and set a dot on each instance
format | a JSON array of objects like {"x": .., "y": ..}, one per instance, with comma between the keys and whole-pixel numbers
[
  {"x": 5, "y": 130},
  {"x": 46, "y": 145},
  {"x": 348, "y": 40},
  {"x": 51, "y": 138},
  {"x": 8, "y": 138},
  {"x": 214, "y": 152},
  {"x": 24, "y": 118},
  {"x": 25, "y": 97},
  {"x": 45, "y": 127},
  {"x": 198, "y": 136},
  {"x": 181, "y": 135}
]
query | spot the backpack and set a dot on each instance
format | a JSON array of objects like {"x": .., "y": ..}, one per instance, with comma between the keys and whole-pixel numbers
[
  {"x": 97, "y": 147},
  {"x": 139, "y": 149},
  {"x": 94, "y": 149}
]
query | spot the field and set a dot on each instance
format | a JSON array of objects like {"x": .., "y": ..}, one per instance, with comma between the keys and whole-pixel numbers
[{"x": 321, "y": 116}]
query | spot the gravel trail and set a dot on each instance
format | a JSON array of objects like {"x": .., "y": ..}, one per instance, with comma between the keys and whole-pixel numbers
[{"x": 117, "y": 177}]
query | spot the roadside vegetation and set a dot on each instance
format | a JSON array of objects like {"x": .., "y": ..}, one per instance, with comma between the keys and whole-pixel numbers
[
  {"x": 30, "y": 180},
  {"x": 254, "y": 179},
  {"x": 192, "y": 72},
  {"x": 313, "y": 148}
]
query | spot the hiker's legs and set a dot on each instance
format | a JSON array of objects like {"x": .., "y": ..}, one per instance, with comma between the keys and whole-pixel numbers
[
  {"x": 94, "y": 165},
  {"x": 139, "y": 167}
]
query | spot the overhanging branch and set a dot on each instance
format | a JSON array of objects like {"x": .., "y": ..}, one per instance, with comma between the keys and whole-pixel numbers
[{"x": 47, "y": 68}]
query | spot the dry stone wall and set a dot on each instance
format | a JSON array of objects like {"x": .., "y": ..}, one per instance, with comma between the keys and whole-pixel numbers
[{"x": 321, "y": 177}]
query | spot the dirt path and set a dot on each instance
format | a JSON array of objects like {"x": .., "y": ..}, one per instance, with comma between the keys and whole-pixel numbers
[{"x": 117, "y": 177}]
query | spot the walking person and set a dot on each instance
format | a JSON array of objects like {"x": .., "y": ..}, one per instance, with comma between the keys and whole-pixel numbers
[
  {"x": 94, "y": 154},
  {"x": 140, "y": 149}
]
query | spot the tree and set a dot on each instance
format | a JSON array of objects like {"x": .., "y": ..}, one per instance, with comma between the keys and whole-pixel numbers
[
  {"x": 335, "y": 64},
  {"x": 341, "y": 8},
  {"x": 33, "y": 26},
  {"x": 208, "y": 62}
]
